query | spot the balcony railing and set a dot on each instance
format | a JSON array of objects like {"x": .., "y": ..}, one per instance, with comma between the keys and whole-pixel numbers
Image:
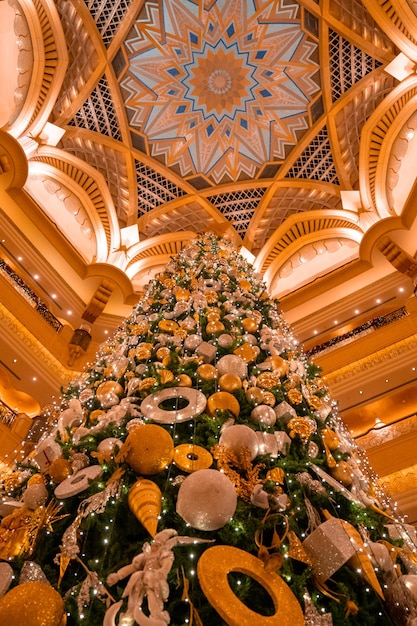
[
  {"x": 356, "y": 333},
  {"x": 30, "y": 296}
]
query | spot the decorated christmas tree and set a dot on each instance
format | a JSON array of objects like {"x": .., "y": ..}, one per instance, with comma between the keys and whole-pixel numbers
[{"x": 198, "y": 473}]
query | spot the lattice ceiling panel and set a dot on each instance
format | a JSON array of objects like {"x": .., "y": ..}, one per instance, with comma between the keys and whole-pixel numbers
[
  {"x": 108, "y": 16},
  {"x": 316, "y": 162},
  {"x": 98, "y": 112},
  {"x": 154, "y": 188},
  {"x": 238, "y": 207}
]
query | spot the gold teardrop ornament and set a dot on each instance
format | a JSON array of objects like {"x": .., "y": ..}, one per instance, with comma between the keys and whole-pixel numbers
[{"x": 144, "y": 501}]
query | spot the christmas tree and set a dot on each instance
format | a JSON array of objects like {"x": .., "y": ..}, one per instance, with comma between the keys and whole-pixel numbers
[{"x": 198, "y": 473}]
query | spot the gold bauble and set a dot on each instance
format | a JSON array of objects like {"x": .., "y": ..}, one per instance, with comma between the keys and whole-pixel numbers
[
  {"x": 144, "y": 501},
  {"x": 342, "y": 472},
  {"x": 222, "y": 401},
  {"x": 36, "y": 479},
  {"x": 255, "y": 395},
  {"x": 168, "y": 326},
  {"x": 207, "y": 372},
  {"x": 32, "y": 604},
  {"x": 162, "y": 352},
  {"x": 107, "y": 388},
  {"x": 230, "y": 382},
  {"x": 213, "y": 314},
  {"x": 59, "y": 470},
  {"x": 244, "y": 284},
  {"x": 183, "y": 380},
  {"x": 250, "y": 325},
  {"x": 279, "y": 365},
  {"x": 215, "y": 327},
  {"x": 148, "y": 449}
]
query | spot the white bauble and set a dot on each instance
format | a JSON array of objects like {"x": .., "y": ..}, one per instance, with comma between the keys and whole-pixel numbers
[
  {"x": 206, "y": 499},
  {"x": 263, "y": 414},
  {"x": 232, "y": 364},
  {"x": 239, "y": 436},
  {"x": 35, "y": 496}
]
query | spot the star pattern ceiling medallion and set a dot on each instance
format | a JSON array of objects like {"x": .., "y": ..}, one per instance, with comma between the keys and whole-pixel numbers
[{"x": 219, "y": 92}]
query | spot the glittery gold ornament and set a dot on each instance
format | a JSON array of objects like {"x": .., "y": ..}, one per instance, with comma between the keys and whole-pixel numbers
[
  {"x": 268, "y": 380},
  {"x": 162, "y": 352},
  {"x": 36, "y": 479},
  {"x": 295, "y": 396},
  {"x": 107, "y": 390},
  {"x": 144, "y": 501},
  {"x": 165, "y": 376},
  {"x": 214, "y": 566},
  {"x": 141, "y": 327},
  {"x": 207, "y": 372},
  {"x": 147, "y": 383},
  {"x": 181, "y": 294},
  {"x": 211, "y": 296},
  {"x": 276, "y": 474},
  {"x": 342, "y": 472},
  {"x": 183, "y": 380},
  {"x": 215, "y": 327},
  {"x": 59, "y": 470},
  {"x": 279, "y": 365},
  {"x": 314, "y": 402},
  {"x": 244, "y": 284},
  {"x": 32, "y": 604},
  {"x": 214, "y": 314},
  {"x": 250, "y": 325},
  {"x": 303, "y": 427},
  {"x": 148, "y": 449},
  {"x": 168, "y": 326},
  {"x": 269, "y": 398},
  {"x": 222, "y": 401},
  {"x": 230, "y": 382},
  {"x": 247, "y": 352},
  {"x": 190, "y": 457},
  {"x": 255, "y": 395}
]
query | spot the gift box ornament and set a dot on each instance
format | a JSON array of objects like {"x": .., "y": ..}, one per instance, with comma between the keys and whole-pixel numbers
[
  {"x": 284, "y": 411},
  {"x": 329, "y": 547}
]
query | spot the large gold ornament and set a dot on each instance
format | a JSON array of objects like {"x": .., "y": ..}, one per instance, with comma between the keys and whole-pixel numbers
[
  {"x": 342, "y": 472},
  {"x": 213, "y": 568},
  {"x": 32, "y": 604},
  {"x": 148, "y": 449},
  {"x": 144, "y": 501},
  {"x": 59, "y": 470},
  {"x": 222, "y": 401},
  {"x": 230, "y": 382}
]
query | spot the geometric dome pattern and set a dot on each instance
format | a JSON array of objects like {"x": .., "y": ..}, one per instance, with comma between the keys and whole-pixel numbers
[{"x": 220, "y": 90}]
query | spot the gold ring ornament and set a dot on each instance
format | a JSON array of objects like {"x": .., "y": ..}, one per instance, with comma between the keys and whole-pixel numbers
[
  {"x": 213, "y": 568},
  {"x": 190, "y": 457},
  {"x": 196, "y": 403},
  {"x": 78, "y": 482}
]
